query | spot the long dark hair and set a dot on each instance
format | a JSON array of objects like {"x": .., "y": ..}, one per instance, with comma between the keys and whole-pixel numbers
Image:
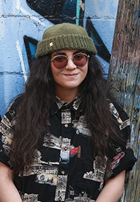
[{"x": 33, "y": 112}]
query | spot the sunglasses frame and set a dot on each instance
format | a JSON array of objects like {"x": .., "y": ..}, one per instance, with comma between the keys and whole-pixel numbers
[{"x": 88, "y": 56}]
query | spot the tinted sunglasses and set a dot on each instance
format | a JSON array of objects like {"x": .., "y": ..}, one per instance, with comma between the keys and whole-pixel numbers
[{"x": 61, "y": 61}]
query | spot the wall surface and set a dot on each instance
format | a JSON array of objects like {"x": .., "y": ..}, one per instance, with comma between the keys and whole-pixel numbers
[
  {"x": 124, "y": 74},
  {"x": 22, "y": 23}
]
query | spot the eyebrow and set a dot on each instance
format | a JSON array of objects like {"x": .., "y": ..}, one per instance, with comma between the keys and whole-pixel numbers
[
  {"x": 59, "y": 53},
  {"x": 63, "y": 53}
]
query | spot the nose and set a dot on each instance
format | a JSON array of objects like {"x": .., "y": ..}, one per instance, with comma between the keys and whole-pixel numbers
[{"x": 70, "y": 64}]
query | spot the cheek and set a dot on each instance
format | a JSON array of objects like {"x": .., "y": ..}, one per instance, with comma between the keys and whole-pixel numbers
[
  {"x": 85, "y": 72},
  {"x": 54, "y": 72},
  {"x": 56, "y": 75}
]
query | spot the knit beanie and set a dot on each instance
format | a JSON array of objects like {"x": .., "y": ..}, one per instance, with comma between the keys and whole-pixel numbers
[{"x": 63, "y": 37}]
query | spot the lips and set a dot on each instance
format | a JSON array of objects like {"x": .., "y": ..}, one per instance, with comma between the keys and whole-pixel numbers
[{"x": 71, "y": 75}]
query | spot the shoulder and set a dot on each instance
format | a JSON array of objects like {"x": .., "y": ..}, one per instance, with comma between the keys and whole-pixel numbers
[
  {"x": 15, "y": 104},
  {"x": 121, "y": 117},
  {"x": 119, "y": 114},
  {"x": 119, "y": 109},
  {"x": 13, "y": 107}
]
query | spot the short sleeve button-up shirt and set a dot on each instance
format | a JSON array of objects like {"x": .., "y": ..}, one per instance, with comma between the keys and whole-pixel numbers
[{"x": 64, "y": 167}]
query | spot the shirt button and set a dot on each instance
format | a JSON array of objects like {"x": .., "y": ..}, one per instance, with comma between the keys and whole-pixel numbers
[
  {"x": 60, "y": 198},
  {"x": 66, "y": 125},
  {"x": 62, "y": 172},
  {"x": 65, "y": 148}
]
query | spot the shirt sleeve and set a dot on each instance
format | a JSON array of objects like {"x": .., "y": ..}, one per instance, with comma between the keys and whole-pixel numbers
[
  {"x": 7, "y": 126},
  {"x": 121, "y": 156}
]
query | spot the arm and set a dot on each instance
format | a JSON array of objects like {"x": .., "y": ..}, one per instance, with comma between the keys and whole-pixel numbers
[
  {"x": 8, "y": 191},
  {"x": 113, "y": 189}
]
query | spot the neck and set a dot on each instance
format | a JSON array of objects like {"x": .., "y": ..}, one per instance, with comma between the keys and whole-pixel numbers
[{"x": 66, "y": 95}]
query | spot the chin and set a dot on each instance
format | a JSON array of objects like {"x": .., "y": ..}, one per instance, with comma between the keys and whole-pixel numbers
[{"x": 72, "y": 86}]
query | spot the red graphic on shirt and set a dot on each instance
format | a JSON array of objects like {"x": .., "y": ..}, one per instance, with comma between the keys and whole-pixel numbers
[
  {"x": 73, "y": 151},
  {"x": 116, "y": 160}
]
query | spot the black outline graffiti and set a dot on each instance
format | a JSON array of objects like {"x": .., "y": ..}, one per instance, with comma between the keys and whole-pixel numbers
[
  {"x": 57, "y": 11},
  {"x": 101, "y": 48},
  {"x": 28, "y": 40}
]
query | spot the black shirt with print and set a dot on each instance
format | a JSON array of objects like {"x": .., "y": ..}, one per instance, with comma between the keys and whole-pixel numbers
[{"x": 65, "y": 169}]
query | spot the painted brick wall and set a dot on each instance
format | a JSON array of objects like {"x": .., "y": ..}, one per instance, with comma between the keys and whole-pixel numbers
[{"x": 22, "y": 23}]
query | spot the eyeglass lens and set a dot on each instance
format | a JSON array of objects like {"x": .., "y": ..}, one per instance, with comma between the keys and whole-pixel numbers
[{"x": 79, "y": 59}]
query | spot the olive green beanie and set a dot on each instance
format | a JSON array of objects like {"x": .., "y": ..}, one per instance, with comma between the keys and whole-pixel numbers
[{"x": 63, "y": 37}]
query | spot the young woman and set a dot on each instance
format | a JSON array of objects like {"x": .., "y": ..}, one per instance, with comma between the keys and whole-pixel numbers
[{"x": 63, "y": 139}]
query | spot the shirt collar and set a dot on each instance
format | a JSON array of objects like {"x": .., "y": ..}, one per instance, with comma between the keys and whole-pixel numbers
[{"x": 74, "y": 105}]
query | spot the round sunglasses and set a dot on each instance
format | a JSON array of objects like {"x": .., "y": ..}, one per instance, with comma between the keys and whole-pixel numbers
[{"x": 61, "y": 61}]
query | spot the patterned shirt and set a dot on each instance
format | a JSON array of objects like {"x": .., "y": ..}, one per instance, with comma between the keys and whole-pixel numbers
[{"x": 65, "y": 169}]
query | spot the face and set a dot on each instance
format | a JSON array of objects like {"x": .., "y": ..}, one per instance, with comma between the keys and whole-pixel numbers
[{"x": 71, "y": 76}]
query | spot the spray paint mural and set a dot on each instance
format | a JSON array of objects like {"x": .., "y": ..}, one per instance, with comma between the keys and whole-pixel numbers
[{"x": 22, "y": 24}]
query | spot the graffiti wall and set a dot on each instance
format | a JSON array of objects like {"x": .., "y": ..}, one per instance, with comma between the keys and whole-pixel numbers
[
  {"x": 124, "y": 74},
  {"x": 22, "y": 23}
]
